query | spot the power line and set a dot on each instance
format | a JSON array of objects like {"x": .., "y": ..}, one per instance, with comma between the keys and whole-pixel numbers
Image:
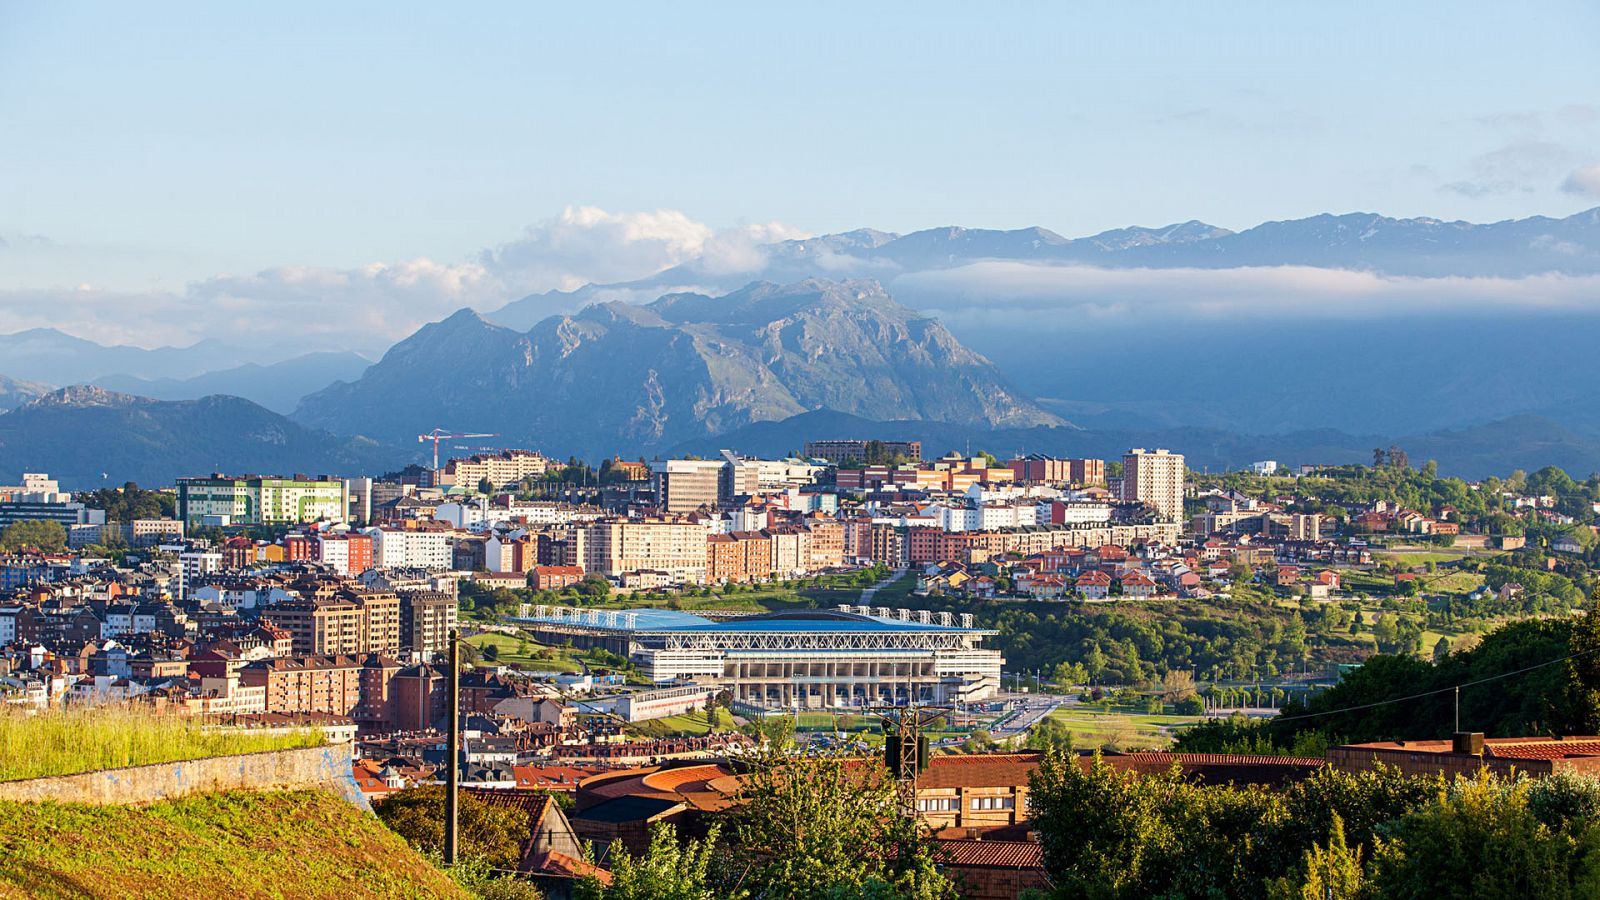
[{"x": 1442, "y": 690}]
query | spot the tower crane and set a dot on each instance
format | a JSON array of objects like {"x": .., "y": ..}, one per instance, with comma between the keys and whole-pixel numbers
[{"x": 439, "y": 434}]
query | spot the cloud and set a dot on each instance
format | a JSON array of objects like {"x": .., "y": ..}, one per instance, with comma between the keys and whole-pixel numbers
[
  {"x": 369, "y": 307},
  {"x": 587, "y": 245},
  {"x": 1073, "y": 297},
  {"x": 1583, "y": 181},
  {"x": 1521, "y": 166}
]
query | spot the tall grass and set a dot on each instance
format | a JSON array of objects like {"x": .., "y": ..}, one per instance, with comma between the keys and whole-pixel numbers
[{"x": 86, "y": 739}]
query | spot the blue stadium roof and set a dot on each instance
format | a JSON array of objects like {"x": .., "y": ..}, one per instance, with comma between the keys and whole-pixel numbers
[{"x": 798, "y": 621}]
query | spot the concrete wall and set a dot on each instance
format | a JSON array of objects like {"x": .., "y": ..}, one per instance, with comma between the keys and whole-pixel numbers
[{"x": 322, "y": 768}]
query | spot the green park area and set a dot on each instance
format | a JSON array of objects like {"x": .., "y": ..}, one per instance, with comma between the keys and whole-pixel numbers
[{"x": 1120, "y": 729}]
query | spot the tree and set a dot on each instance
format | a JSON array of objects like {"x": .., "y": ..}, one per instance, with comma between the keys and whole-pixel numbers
[
  {"x": 1177, "y": 685},
  {"x": 485, "y": 486},
  {"x": 824, "y": 825},
  {"x": 1378, "y": 457},
  {"x": 667, "y": 870},
  {"x": 1051, "y": 734},
  {"x": 40, "y": 534},
  {"x": 1239, "y": 572},
  {"x": 1481, "y": 837},
  {"x": 1441, "y": 649},
  {"x": 1398, "y": 458},
  {"x": 1326, "y": 873},
  {"x": 492, "y": 834},
  {"x": 491, "y": 652}
]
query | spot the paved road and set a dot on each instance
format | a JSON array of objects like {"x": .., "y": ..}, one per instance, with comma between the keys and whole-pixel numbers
[
  {"x": 866, "y": 595},
  {"x": 1032, "y": 712}
]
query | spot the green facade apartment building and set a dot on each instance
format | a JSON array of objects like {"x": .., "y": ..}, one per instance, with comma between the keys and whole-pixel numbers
[{"x": 262, "y": 501}]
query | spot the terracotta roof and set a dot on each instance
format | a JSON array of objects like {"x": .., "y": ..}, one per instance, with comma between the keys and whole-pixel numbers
[
  {"x": 534, "y": 803},
  {"x": 979, "y": 770},
  {"x": 1545, "y": 750},
  {"x": 1502, "y": 748},
  {"x": 563, "y": 865},
  {"x": 994, "y": 854},
  {"x": 552, "y": 777}
]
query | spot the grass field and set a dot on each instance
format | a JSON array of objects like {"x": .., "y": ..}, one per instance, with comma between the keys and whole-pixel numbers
[
  {"x": 110, "y": 737},
  {"x": 510, "y": 653},
  {"x": 307, "y": 844},
  {"x": 690, "y": 724},
  {"x": 1414, "y": 558},
  {"x": 1094, "y": 727}
]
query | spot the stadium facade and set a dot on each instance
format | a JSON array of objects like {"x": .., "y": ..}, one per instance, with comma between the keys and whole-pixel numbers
[{"x": 843, "y": 658}]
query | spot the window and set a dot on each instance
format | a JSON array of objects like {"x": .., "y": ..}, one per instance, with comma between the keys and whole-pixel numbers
[
  {"x": 939, "y": 804},
  {"x": 988, "y": 803}
]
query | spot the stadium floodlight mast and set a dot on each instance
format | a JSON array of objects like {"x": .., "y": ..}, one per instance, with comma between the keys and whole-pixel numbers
[{"x": 905, "y": 748}]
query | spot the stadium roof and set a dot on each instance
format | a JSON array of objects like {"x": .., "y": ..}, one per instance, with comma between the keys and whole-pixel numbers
[
  {"x": 798, "y": 621},
  {"x": 814, "y": 620}
]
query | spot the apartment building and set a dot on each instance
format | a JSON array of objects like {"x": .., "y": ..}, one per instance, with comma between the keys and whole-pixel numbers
[
  {"x": 1041, "y": 468},
  {"x": 411, "y": 548},
  {"x": 312, "y": 684},
  {"x": 348, "y": 554},
  {"x": 500, "y": 469},
  {"x": 1155, "y": 478},
  {"x": 826, "y": 544},
  {"x": 848, "y": 452},
  {"x": 426, "y": 618},
  {"x": 261, "y": 501},
  {"x": 348, "y": 622},
  {"x": 674, "y": 546}
]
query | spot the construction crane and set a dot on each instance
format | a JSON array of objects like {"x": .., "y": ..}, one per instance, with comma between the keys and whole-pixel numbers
[{"x": 439, "y": 434}]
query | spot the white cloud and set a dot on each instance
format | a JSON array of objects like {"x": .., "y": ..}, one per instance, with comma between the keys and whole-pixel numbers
[
  {"x": 1071, "y": 297},
  {"x": 586, "y": 245},
  {"x": 1519, "y": 166},
  {"x": 1583, "y": 181},
  {"x": 370, "y": 307}
]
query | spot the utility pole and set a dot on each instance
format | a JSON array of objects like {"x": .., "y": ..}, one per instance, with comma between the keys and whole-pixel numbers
[{"x": 453, "y": 764}]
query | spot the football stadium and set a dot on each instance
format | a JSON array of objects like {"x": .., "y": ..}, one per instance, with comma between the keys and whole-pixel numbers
[{"x": 843, "y": 658}]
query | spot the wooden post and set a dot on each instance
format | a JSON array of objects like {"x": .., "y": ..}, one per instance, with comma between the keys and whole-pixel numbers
[{"x": 453, "y": 764}]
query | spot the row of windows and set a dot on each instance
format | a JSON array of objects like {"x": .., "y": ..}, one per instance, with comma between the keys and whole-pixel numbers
[
  {"x": 953, "y": 804},
  {"x": 994, "y": 803}
]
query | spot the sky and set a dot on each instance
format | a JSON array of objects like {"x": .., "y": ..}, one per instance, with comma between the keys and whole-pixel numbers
[{"x": 169, "y": 171}]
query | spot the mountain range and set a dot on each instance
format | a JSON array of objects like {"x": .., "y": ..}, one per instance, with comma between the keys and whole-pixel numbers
[
  {"x": 991, "y": 338},
  {"x": 87, "y": 436},
  {"x": 685, "y": 366},
  {"x": 1367, "y": 242}
]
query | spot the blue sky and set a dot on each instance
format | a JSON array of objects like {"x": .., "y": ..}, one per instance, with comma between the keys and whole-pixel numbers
[{"x": 146, "y": 148}]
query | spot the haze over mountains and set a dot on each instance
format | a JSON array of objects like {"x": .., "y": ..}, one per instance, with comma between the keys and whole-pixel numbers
[
  {"x": 88, "y": 436},
  {"x": 685, "y": 366},
  {"x": 1319, "y": 337}
]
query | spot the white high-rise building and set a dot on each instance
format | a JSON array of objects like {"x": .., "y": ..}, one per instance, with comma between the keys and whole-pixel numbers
[{"x": 1154, "y": 477}]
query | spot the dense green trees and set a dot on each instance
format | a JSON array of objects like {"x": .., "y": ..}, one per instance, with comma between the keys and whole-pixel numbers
[
  {"x": 808, "y": 827},
  {"x": 1517, "y": 680},
  {"x": 1335, "y": 834},
  {"x": 36, "y": 534},
  {"x": 131, "y": 502},
  {"x": 1131, "y": 644},
  {"x": 490, "y": 834},
  {"x": 667, "y": 870}
]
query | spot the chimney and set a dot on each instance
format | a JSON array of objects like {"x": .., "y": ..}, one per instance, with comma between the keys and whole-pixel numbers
[{"x": 1468, "y": 742}]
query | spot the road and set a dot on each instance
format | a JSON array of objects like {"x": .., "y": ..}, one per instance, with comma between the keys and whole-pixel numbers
[
  {"x": 1032, "y": 711},
  {"x": 891, "y": 578}
]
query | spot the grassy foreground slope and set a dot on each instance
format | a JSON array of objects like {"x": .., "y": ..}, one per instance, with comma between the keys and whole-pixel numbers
[{"x": 287, "y": 844}]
